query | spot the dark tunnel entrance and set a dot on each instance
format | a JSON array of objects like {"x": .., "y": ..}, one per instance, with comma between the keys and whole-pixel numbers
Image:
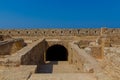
[{"x": 57, "y": 53}]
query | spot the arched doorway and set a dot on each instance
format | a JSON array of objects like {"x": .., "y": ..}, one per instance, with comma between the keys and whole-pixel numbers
[{"x": 57, "y": 53}]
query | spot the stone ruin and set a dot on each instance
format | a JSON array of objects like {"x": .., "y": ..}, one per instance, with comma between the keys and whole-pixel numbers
[{"x": 60, "y": 54}]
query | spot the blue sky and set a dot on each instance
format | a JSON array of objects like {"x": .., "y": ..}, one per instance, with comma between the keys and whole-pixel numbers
[{"x": 59, "y": 13}]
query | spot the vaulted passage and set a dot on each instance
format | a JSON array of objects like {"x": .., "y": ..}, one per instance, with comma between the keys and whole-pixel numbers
[{"x": 57, "y": 53}]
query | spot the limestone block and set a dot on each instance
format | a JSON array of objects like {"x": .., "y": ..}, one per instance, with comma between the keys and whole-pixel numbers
[{"x": 96, "y": 51}]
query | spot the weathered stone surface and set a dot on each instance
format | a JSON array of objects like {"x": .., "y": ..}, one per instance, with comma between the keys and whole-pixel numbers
[
  {"x": 4, "y": 37},
  {"x": 63, "y": 76},
  {"x": 110, "y": 64},
  {"x": 16, "y": 73},
  {"x": 11, "y": 46},
  {"x": 92, "y": 54},
  {"x": 96, "y": 51}
]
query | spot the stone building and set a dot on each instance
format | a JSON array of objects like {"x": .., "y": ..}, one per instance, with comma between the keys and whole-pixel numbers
[{"x": 57, "y": 54}]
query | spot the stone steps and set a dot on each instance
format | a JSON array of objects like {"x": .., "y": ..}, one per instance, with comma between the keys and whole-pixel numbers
[
  {"x": 63, "y": 76},
  {"x": 60, "y": 71},
  {"x": 58, "y": 68}
]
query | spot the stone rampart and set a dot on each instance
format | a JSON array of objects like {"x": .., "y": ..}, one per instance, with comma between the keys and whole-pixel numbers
[
  {"x": 62, "y": 32},
  {"x": 52, "y": 32}
]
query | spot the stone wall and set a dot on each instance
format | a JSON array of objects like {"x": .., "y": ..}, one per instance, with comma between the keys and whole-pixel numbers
[
  {"x": 1, "y": 38},
  {"x": 96, "y": 52},
  {"x": 34, "y": 55},
  {"x": 84, "y": 61},
  {"x": 74, "y": 58},
  {"x": 11, "y": 46},
  {"x": 52, "y": 42},
  {"x": 52, "y": 32},
  {"x": 4, "y": 37},
  {"x": 110, "y": 31},
  {"x": 62, "y": 32},
  {"x": 111, "y": 36},
  {"x": 92, "y": 47},
  {"x": 84, "y": 43}
]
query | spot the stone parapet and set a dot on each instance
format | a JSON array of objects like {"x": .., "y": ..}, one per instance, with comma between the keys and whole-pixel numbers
[{"x": 52, "y": 32}]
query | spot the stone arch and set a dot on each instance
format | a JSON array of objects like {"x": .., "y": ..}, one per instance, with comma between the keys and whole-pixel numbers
[{"x": 56, "y": 53}]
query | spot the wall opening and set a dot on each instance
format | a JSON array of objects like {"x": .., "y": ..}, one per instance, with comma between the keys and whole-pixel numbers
[
  {"x": 18, "y": 32},
  {"x": 57, "y": 53}
]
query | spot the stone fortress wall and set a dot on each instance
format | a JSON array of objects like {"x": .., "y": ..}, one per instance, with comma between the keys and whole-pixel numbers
[
  {"x": 61, "y": 32},
  {"x": 52, "y": 32},
  {"x": 104, "y": 36},
  {"x": 85, "y": 47},
  {"x": 110, "y": 31}
]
